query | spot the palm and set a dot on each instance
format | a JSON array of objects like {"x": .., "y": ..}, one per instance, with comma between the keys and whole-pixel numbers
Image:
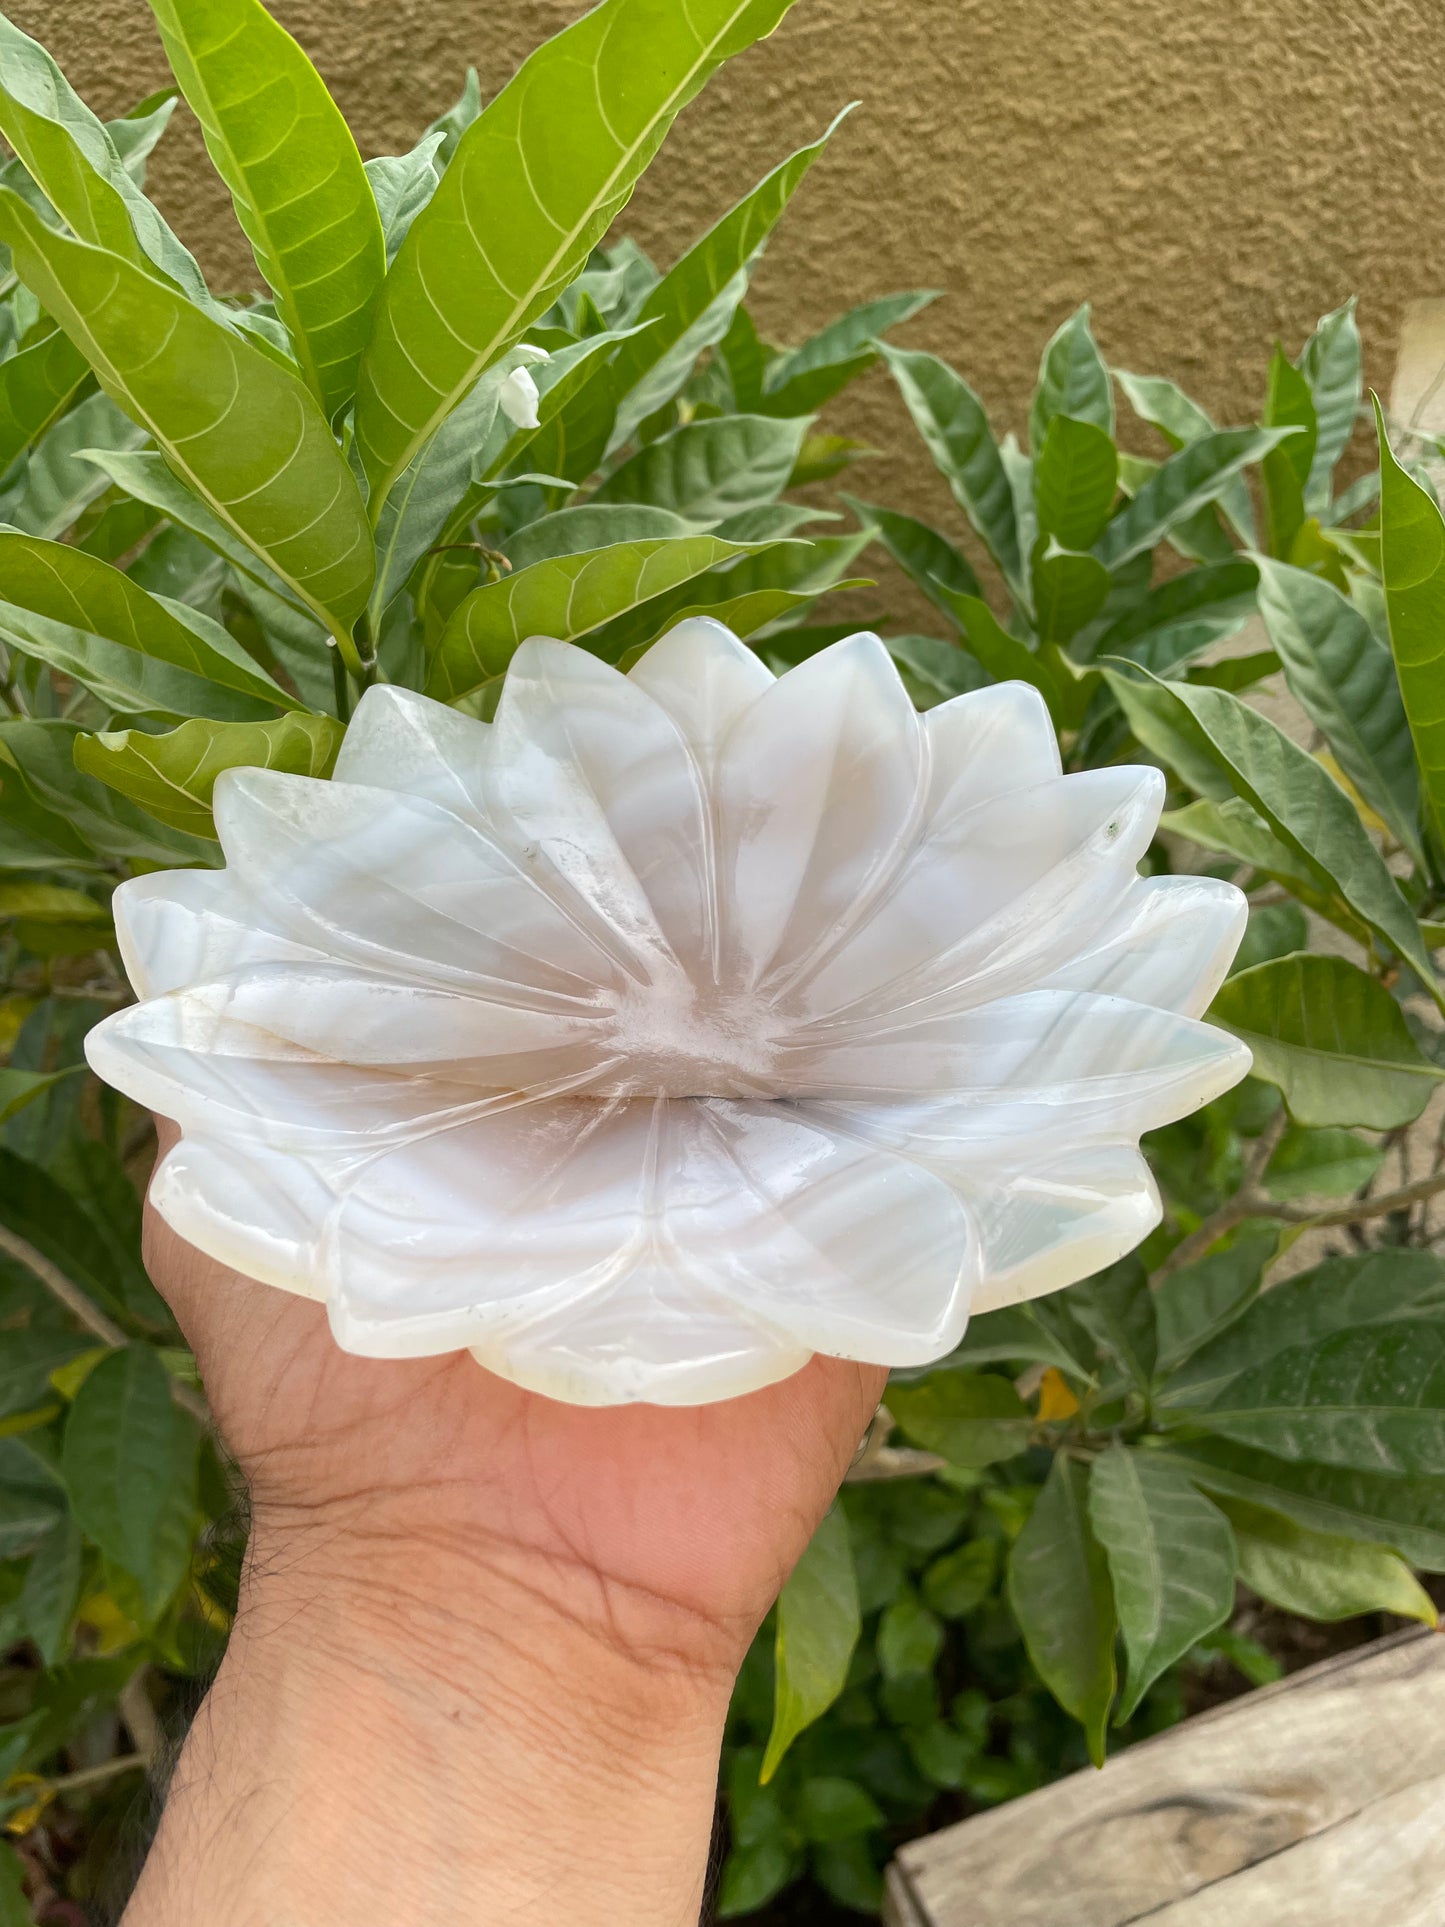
[{"x": 706, "y": 1506}]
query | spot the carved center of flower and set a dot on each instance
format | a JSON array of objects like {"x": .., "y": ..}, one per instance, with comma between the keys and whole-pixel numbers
[{"x": 680, "y": 1040}]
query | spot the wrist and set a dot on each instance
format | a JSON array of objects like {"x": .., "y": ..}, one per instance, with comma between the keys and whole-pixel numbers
[{"x": 445, "y": 1733}]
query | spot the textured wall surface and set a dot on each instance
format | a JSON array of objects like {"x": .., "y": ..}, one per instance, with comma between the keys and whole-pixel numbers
[{"x": 1209, "y": 176}]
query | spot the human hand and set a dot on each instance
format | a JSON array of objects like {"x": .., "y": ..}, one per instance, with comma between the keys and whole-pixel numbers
[{"x": 488, "y": 1576}]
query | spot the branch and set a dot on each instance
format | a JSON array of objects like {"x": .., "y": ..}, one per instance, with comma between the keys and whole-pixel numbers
[
  {"x": 1254, "y": 1204},
  {"x": 87, "y": 1313},
  {"x": 1236, "y": 1209}
]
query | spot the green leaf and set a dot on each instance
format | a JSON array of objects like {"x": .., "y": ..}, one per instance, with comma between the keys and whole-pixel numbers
[
  {"x": 73, "y": 157},
  {"x": 1405, "y": 1513},
  {"x": 1116, "y": 1308},
  {"x": 1165, "y": 406},
  {"x": 951, "y": 419},
  {"x": 1371, "y": 1399},
  {"x": 802, "y": 379},
  {"x": 129, "y": 1460},
  {"x": 32, "y": 1499},
  {"x": 423, "y": 503},
  {"x": 51, "y": 1593},
  {"x": 1171, "y": 1556},
  {"x": 576, "y": 406},
  {"x": 1330, "y": 363},
  {"x": 37, "y": 385},
  {"x": 707, "y": 470},
  {"x": 1240, "y": 832},
  {"x": 1005, "y": 657},
  {"x": 1333, "y": 1040},
  {"x": 1219, "y": 594},
  {"x": 172, "y": 776},
  {"x": 1195, "y": 1304},
  {"x": 19, "y": 1088},
  {"x": 59, "y": 483},
  {"x": 934, "y": 670},
  {"x": 1285, "y": 469},
  {"x": 752, "y": 1875},
  {"x": 551, "y": 160},
  {"x": 593, "y": 525},
  {"x": 1274, "y": 930},
  {"x": 817, "y": 1628},
  {"x": 1076, "y": 477},
  {"x": 1180, "y": 487},
  {"x": 831, "y": 1808},
  {"x": 1069, "y": 590},
  {"x": 1059, "y": 1590},
  {"x": 282, "y": 147},
  {"x": 925, "y": 557},
  {"x": 1343, "y": 677},
  {"x": 970, "y": 1418},
  {"x": 910, "y": 1639},
  {"x": 1319, "y": 1575},
  {"x": 64, "y": 585},
  {"x": 1034, "y": 1332},
  {"x": 1321, "y": 1164},
  {"x": 959, "y": 1582},
  {"x": 401, "y": 185},
  {"x": 1302, "y": 804},
  {"x": 564, "y": 597},
  {"x": 1412, "y": 562},
  {"x": 693, "y": 304},
  {"x": 75, "y": 819},
  {"x": 14, "y": 1907},
  {"x": 1072, "y": 381},
  {"x": 240, "y": 431},
  {"x": 1340, "y": 1295}
]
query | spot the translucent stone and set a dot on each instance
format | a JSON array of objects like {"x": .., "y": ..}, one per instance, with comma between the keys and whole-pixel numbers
[{"x": 677, "y": 1025}]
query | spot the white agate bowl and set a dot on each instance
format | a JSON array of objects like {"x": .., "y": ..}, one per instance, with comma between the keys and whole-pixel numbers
[{"x": 678, "y": 1024}]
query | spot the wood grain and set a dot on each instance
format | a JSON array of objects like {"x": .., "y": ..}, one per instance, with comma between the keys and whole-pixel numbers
[{"x": 1185, "y": 1822}]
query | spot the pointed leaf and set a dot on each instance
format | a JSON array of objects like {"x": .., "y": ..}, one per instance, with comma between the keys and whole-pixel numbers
[
  {"x": 1342, "y": 1294},
  {"x": 51, "y": 1592},
  {"x": 818, "y": 1626},
  {"x": 1412, "y": 562},
  {"x": 1171, "y": 1556},
  {"x": 401, "y": 185},
  {"x": 951, "y": 419},
  {"x": 1165, "y": 406},
  {"x": 1344, "y": 679},
  {"x": 280, "y": 144},
  {"x": 1076, "y": 476},
  {"x": 172, "y": 776},
  {"x": 926, "y": 557},
  {"x": 1072, "y": 381},
  {"x": 546, "y": 167},
  {"x": 129, "y": 1461},
  {"x": 1302, "y": 804},
  {"x": 37, "y": 385},
  {"x": 63, "y": 584},
  {"x": 1330, "y": 364},
  {"x": 693, "y": 304},
  {"x": 1197, "y": 475},
  {"x": 1334, "y": 1041},
  {"x": 1062, "y": 1599},
  {"x": 1069, "y": 591},
  {"x": 73, "y": 157},
  {"x": 1197, "y": 1303},
  {"x": 710, "y": 469},
  {"x": 1321, "y": 1164},
  {"x": 801, "y": 379},
  {"x": 43, "y": 793},
  {"x": 1116, "y": 1308},
  {"x": 564, "y": 597},
  {"x": 1405, "y": 1513},
  {"x": 970, "y": 1418},
  {"x": 1005, "y": 657},
  {"x": 1320, "y": 1575},
  {"x": 239, "y": 430}
]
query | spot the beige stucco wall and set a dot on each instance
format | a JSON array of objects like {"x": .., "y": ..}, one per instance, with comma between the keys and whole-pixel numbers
[{"x": 1209, "y": 175}]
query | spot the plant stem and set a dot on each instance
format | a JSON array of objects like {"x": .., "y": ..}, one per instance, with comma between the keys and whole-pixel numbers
[
  {"x": 1255, "y": 1204},
  {"x": 1236, "y": 1209},
  {"x": 96, "y": 1775},
  {"x": 85, "y": 1312},
  {"x": 342, "y": 685}
]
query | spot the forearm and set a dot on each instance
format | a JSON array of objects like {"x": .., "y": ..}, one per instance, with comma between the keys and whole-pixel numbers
[{"x": 456, "y": 1748}]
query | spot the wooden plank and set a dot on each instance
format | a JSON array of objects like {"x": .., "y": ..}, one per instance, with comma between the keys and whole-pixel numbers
[
  {"x": 899, "y": 1908},
  {"x": 1383, "y": 1867},
  {"x": 1193, "y": 1807}
]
